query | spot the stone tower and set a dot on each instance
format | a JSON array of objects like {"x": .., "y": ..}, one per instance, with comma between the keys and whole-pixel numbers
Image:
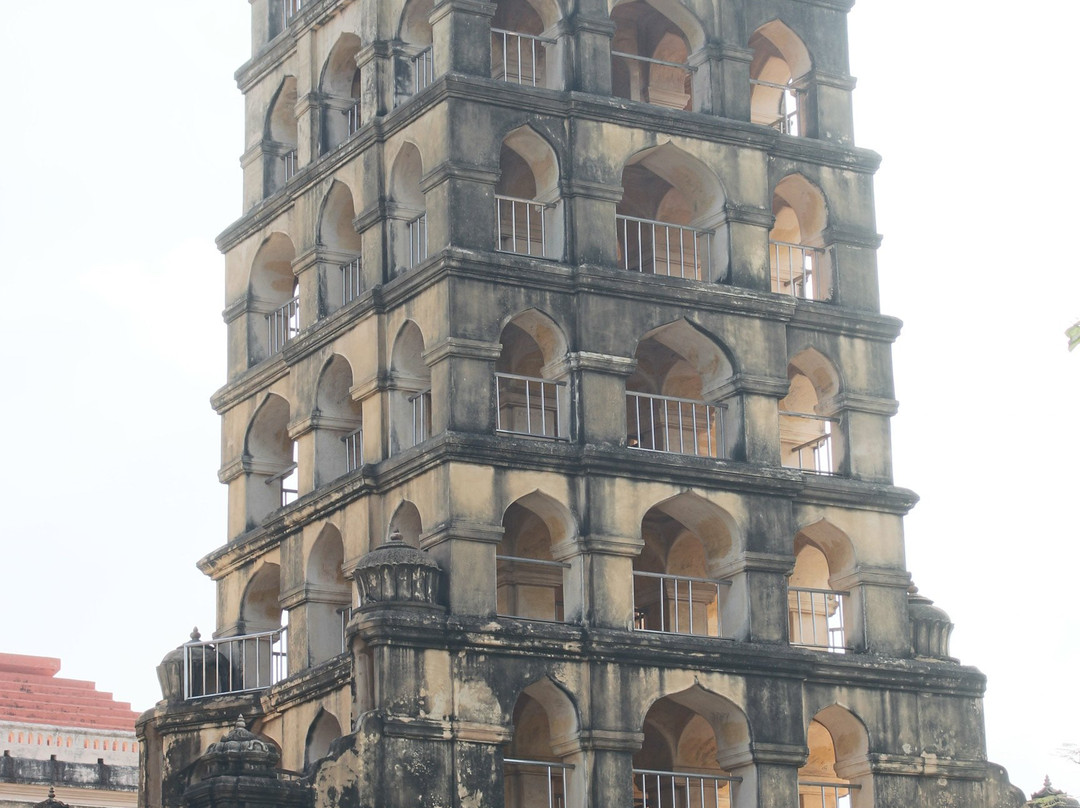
[{"x": 556, "y": 426}]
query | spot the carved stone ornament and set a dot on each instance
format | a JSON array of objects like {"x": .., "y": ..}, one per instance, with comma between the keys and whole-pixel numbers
[
  {"x": 930, "y": 627},
  {"x": 241, "y": 752},
  {"x": 397, "y": 574}
]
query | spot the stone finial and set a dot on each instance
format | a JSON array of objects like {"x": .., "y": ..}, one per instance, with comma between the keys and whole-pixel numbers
[
  {"x": 397, "y": 574},
  {"x": 195, "y": 635},
  {"x": 51, "y": 801},
  {"x": 931, "y": 627},
  {"x": 1050, "y": 797},
  {"x": 241, "y": 752}
]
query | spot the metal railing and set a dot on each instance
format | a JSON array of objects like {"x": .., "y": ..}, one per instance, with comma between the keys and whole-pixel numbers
[
  {"x": 351, "y": 281},
  {"x": 795, "y": 269},
  {"x": 352, "y": 114},
  {"x": 826, "y": 795},
  {"x": 675, "y": 425},
  {"x": 814, "y": 454},
  {"x": 423, "y": 69},
  {"x": 661, "y": 789},
  {"x": 785, "y": 118},
  {"x": 416, "y": 230},
  {"x": 289, "y": 160},
  {"x": 554, "y": 781},
  {"x": 235, "y": 664},
  {"x": 345, "y": 613},
  {"x": 354, "y": 450},
  {"x": 679, "y": 604},
  {"x": 518, "y": 58},
  {"x": 289, "y": 484},
  {"x": 421, "y": 416},
  {"x": 817, "y": 618},
  {"x": 525, "y": 405},
  {"x": 289, "y": 9},
  {"x": 521, "y": 225},
  {"x": 663, "y": 248},
  {"x": 531, "y": 573},
  {"x": 282, "y": 325},
  {"x": 647, "y": 78}
]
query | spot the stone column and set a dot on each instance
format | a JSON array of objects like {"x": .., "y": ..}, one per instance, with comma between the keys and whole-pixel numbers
[
  {"x": 590, "y": 201},
  {"x": 601, "y": 396},
  {"x": 876, "y": 610},
  {"x": 591, "y": 62},
  {"x": 750, "y": 416},
  {"x": 747, "y": 232},
  {"x": 601, "y": 590},
  {"x": 462, "y": 381},
  {"x": 825, "y": 106},
  {"x": 460, "y": 202},
  {"x": 849, "y": 271},
  {"x": 466, "y": 553},
  {"x": 461, "y": 37}
]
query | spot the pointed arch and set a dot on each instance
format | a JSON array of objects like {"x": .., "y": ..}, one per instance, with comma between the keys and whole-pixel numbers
[
  {"x": 527, "y": 204},
  {"x": 650, "y": 50},
  {"x": 531, "y": 342},
  {"x": 408, "y": 522},
  {"x": 335, "y": 229},
  {"x": 808, "y": 433},
  {"x": 817, "y": 612},
  {"x": 409, "y": 389},
  {"x": 545, "y": 723},
  {"x": 665, "y": 179},
  {"x": 778, "y": 68},
  {"x": 260, "y": 606},
  {"x": 337, "y": 420},
  {"x": 838, "y": 746},
  {"x": 323, "y": 730},
  {"x": 528, "y": 584},
  {"x": 407, "y": 208}
]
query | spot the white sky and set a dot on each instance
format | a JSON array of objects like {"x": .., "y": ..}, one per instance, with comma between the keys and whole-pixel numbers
[{"x": 121, "y": 141}]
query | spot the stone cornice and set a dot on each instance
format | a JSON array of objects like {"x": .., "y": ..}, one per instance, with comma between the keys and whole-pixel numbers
[
  {"x": 478, "y": 8},
  {"x": 461, "y": 529},
  {"x": 754, "y": 562},
  {"x": 822, "y": 489},
  {"x": 859, "y": 402},
  {"x": 828, "y": 318},
  {"x": 853, "y": 236},
  {"x": 592, "y": 362},
  {"x": 458, "y": 171},
  {"x": 869, "y": 575},
  {"x": 459, "y": 348},
  {"x": 843, "y": 6}
]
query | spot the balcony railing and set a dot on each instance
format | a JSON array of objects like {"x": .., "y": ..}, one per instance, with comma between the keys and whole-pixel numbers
[
  {"x": 817, "y": 618},
  {"x": 678, "y": 604},
  {"x": 416, "y": 229},
  {"x": 660, "y": 789},
  {"x": 795, "y": 269},
  {"x": 352, "y": 114},
  {"x": 518, "y": 58},
  {"x": 783, "y": 116},
  {"x": 530, "y": 782},
  {"x": 235, "y": 664},
  {"x": 534, "y": 585},
  {"x": 674, "y": 425},
  {"x": 825, "y": 795},
  {"x": 351, "y": 281},
  {"x": 521, "y": 225},
  {"x": 289, "y": 9},
  {"x": 354, "y": 450},
  {"x": 345, "y": 613},
  {"x": 658, "y": 81},
  {"x": 806, "y": 442},
  {"x": 662, "y": 248},
  {"x": 421, "y": 416},
  {"x": 287, "y": 479},
  {"x": 525, "y": 405},
  {"x": 423, "y": 69},
  {"x": 282, "y": 325},
  {"x": 289, "y": 161}
]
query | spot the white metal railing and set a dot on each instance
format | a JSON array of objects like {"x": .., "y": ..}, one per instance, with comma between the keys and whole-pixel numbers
[
  {"x": 416, "y": 230},
  {"x": 525, "y": 405},
  {"x": 289, "y": 160},
  {"x": 663, "y": 248},
  {"x": 345, "y": 613},
  {"x": 289, "y": 485},
  {"x": 675, "y": 425},
  {"x": 813, "y": 453},
  {"x": 817, "y": 618},
  {"x": 825, "y": 795},
  {"x": 661, "y": 789},
  {"x": 795, "y": 269},
  {"x": 785, "y": 117},
  {"x": 283, "y": 324},
  {"x": 518, "y": 58},
  {"x": 514, "y": 572},
  {"x": 521, "y": 225},
  {"x": 655, "y": 92},
  {"x": 678, "y": 604},
  {"x": 351, "y": 281},
  {"x": 354, "y": 450},
  {"x": 235, "y": 664},
  {"x": 423, "y": 69},
  {"x": 289, "y": 9},
  {"x": 554, "y": 782},
  {"x": 352, "y": 114},
  {"x": 421, "y": 416}
]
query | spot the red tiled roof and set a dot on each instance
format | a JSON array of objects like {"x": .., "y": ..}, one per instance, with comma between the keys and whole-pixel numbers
[{"x": 30, "y": 693}]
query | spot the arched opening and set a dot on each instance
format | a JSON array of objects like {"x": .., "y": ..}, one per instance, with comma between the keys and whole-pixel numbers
[
  {"x": 808, "y": 438},
  {"x": 778, "y": 69},
  {"x": 273, "y": 292},
  {"x": 531, "y": 386},
  {"x": 519, "y": 51},
  {"x": 324, "y": 730},
  {"x": 676, "y": 588},
  {"x": 530, "y": 583},
  {"x": 340, "y": 88},
  {"x": 341, "y": 245},
  {"x": 407, "y": 209},
  {"x": 838, "y": 747},
  {"x": 327, "y": 596},
  {"x": 407, "y": 523},
  {"x": 409, "y": 390},
  {"x": 817, "y": 612},
  {"x": 415, "y": 61},
  {"x": 338, "y": 421},
  {"x": 688, "y": 738},
  {"x": 797, "y": 257},
  {"x": 534, "y": 774},
  {"x": 669, "y": 220},
  {"x": 270, "y": 457},
  {"x": 280, "y": 139},
  {"x": 671, "y": 401},
  {"x": 527, "y": 204},
  {"x": 649, "y": 55}
]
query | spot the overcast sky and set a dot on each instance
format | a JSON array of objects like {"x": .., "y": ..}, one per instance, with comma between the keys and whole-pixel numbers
[{"x": 121, "y": 145}]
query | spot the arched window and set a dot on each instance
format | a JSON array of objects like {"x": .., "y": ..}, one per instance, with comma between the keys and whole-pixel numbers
[
  {"x": 529, "y": 583},
  {"x": 797, "y": 259},
  {"x": 809, "y": 440},
  {"x": 817, "y": 612},
  {"x": 270, "y": 458},
  {"x": 339, "y": 437},
  {"x": 328, "y": 597},
  {"x": 324, "y": 730},
  {"x": 280, "y": 139},
  {"x": 340, "y": 87},
  {"x": 273, "y": 294},
  {"x": 544, "y": 719},
  {"x": 531, "y": 389},
  {"x": 409, "y": 390},
  {"x": 668, "y": 222},
  {"x": 670, "y": 398},
  {"x": 649, "y": 55},
  {"x": 777, "y": 85},
  {"x": 676, "y": 589},
  {"x": 415, "y": 59},
  {"x": 407, "y": 209},
  {"x": 341, "y": 246},
  {"x": 519, "y": 51},
  {"x": 527, "y": 204},
  {"x": 836, "y": 773},
  {"x": 407, "y": 523}
]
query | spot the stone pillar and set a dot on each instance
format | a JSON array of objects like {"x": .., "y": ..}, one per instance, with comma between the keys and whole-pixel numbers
[
  {"x": 850, "y": 268},
  {"x": 590, "y": 201},
  {"x": 729, "y": 76},
  {"x": 747, "y": 233},
  {"x": 312, "y": 299},
  {"x": 601, "y": 396},
  {"x": 460, "y": 203},
  {"x": 769, "y": 772},
  {"x": 376, "y": 65},
  {"x": 861, "y": 447},
  {"x": 601, "y": 591},
  {"x": 876, "y": 611},
  {"x": 367, "y": 395},
  {"x": 755, "y": 605},
  {"x": 591, "y": 62},
  {"x": 750, "y": 416},
  {"x": 466, "y": 553},
  {"x": 461, "y": 37},
  {"x": 462, "y": 380},
  {"x": 825, "y": 106}
]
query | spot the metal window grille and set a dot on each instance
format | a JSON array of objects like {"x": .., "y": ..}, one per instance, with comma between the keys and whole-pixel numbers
[
  {"x": 235, "y": 664},
  {"x": 354, "y": 450},
  {"x": 518, "y": 58},
  {"x": 351, "y": 281},
  {"x": 421, "y": 416},
  {"x": 423, "y": 69},
  {"x": 283, "y": 324},
  {"x": 662, "y": 248},
  {"x": 345, "y": 613},
  {"x": 416, "y": 229},
  {"x": 783, "y": 115},
  {"x": 661, "y": 789},
  {"x": 352, "y": 114},
  {"x": 289, "y": 9},
  {"x": 289, "y": 161},
  {"x": 795, "y": 269},
  {"x": 521, "y": 226},
  {"x": 816, "y": 618},
  {"x": 826, "y": 795},
  {"x": 678, "y": 604},
  {"x": 551, "y": 778},
  {"x": 675, "y": 425},
  {"x": 525, "y": 405}
]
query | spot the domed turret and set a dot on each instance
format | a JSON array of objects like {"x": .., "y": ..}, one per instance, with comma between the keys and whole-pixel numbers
[
  {"x": 397, "y": 574},
  {"x": 930, "y": 627}
]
